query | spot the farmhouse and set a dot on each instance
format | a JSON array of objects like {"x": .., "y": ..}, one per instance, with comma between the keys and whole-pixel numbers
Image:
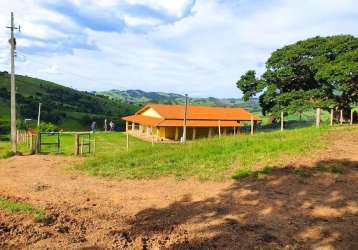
[{"x": 166, "y": 122}]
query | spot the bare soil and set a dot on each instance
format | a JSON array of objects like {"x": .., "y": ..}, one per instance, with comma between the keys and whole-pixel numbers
[{"x": 312, "y": 203}]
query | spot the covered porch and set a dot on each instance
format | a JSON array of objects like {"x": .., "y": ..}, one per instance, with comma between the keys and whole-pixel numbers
[{"x": 175, "y": 133}]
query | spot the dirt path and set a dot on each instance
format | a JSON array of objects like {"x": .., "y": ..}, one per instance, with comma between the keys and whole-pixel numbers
[{"x": 314, "y": 207}]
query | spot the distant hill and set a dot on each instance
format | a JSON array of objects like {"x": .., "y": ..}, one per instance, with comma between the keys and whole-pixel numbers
[
  {"x": 66, "y": 107},
  {"x": 139, "y": 96}
]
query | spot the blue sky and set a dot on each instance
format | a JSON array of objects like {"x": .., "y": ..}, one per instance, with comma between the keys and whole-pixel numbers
[{"x": 200, "y": 47}]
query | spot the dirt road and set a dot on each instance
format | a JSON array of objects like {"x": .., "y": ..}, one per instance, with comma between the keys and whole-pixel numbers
[{"x": 315, "y": 207}]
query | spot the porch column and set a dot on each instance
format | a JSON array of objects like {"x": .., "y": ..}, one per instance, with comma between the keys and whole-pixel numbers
[
  {"x": 194, "y": 133},
  {"x": 225, "y": 130},
  {"x": 158, "y": 137},
  {"x": 210, "y": 132},
  {"x": 176, "y": 133},
  {"x": 133, "y": 125},
  {"x": 234, "y": 130},
  {"x": 126, "y": 126},
  {"x": 219, "y": 128}
]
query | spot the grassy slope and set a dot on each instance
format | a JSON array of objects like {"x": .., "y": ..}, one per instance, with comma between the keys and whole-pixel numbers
[
  {"x": 56, "y": 98},
  {"x": 205, "y": 159},
  {"x": 212, "y": 159}
]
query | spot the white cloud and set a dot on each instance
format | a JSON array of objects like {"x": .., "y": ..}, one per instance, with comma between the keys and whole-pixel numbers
[
  {"x": 203, "y": 53},
  {"x": 176, "y": 8}
]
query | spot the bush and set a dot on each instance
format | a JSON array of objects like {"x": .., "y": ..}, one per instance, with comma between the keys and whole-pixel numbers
[
  {"x": 8, "y": 154},
  {"x": 241, "y": 173},
  {"x": 47, "y": 127}
]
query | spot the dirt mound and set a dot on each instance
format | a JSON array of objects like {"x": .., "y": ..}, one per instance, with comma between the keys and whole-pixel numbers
[{"x": 310, "y": 204}]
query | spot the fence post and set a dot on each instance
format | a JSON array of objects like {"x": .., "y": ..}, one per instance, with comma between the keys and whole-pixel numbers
[
  {"x": 332, "y": 116},
  {"x": 89, "y": 143},
  {"x": 58, "y": 143},
  {"x": 318, "y": 117},
  {"x": 77, "y": 144},
  {"x": 351, "y": 122},
  {"x": 341, "y": 116},
  {"x": 31, "y": 144},
  {"x": 37, "y": 147},
  {"x": 94, "y": 144},
  {"x": 282, "y": 121},
  {"x": 81, "y": 146}
]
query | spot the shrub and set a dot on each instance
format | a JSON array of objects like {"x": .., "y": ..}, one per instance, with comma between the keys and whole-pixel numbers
[
  {"x": 8, "y": 154},
  {"x": 47, "y": 127},
  {"x": 241, "y": 173}
]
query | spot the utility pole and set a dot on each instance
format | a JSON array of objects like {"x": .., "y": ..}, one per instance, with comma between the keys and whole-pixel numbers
[
  {"x": 185, "y": 117},
  {"x": 12, "y": 42},
  {"x": 39, "y": 116}
]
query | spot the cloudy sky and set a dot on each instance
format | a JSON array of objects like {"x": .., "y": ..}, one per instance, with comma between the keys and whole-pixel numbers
[{"x": 200, "y": 47}]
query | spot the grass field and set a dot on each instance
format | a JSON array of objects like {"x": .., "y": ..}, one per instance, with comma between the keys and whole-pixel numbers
[{"x": 207, "y": 159}]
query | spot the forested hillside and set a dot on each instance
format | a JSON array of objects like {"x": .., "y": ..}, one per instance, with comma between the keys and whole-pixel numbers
[
  {"x": 139, "y": 96},
  {"x": 67, "y": 108}
]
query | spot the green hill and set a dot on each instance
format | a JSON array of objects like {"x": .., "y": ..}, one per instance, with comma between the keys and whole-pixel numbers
[
  {"x": 66, "y": 107},
  {"x": 139, "y": 96}
]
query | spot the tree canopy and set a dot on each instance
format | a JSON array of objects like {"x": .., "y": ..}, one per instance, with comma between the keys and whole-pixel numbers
[{"x": 317, "y": 72}]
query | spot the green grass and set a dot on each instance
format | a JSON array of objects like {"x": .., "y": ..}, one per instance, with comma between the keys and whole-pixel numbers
[
  {"x": 21, "y": 207},
  {"x": 205, "y": 159},
  {"x": 4, "y": 149}
]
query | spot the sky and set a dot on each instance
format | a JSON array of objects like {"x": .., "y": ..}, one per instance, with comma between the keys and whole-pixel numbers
[{"x": 199, "y": 47}]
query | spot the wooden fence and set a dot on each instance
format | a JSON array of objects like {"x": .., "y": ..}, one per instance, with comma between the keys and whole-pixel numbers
[{"x": 85, "y": 142}]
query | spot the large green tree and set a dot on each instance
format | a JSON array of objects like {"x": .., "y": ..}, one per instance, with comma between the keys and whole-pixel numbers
[{"x": 317, "y": 72}]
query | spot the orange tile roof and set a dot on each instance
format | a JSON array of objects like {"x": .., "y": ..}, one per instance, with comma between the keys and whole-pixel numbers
[
  {"x": 198, "y": 116},
  {"x": 200, "y": 112}
]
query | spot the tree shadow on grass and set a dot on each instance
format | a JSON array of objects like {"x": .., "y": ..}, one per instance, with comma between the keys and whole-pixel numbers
[{"x": 295, "y": 207}]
